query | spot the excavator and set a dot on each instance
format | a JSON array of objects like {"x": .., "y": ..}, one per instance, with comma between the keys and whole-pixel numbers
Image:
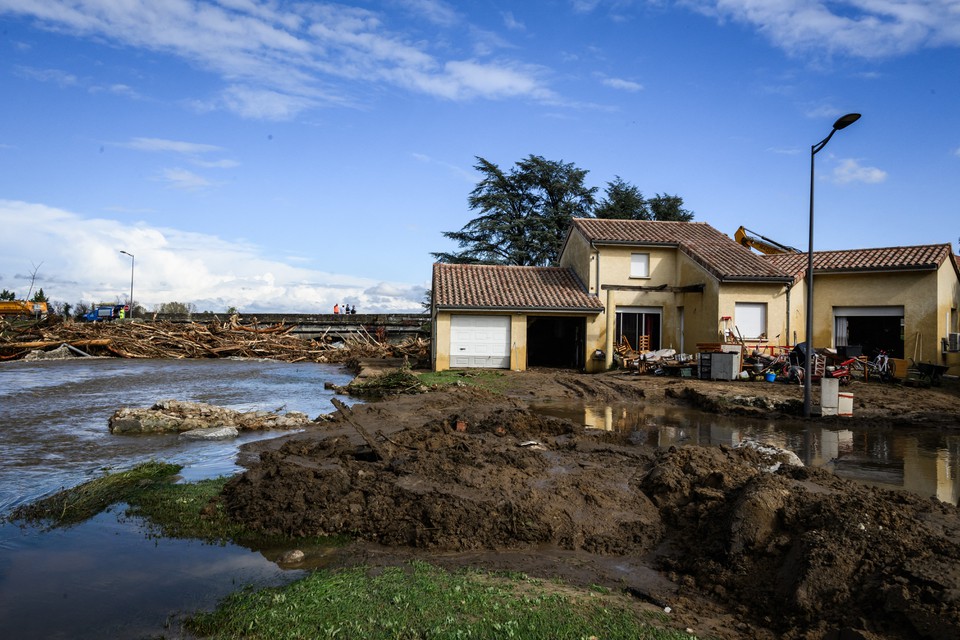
[{"x": 753, "y": 240}]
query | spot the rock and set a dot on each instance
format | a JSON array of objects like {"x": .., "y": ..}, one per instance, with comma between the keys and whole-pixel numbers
[
  {"x": 292, "y": 556},
  {"x": 215, "y": 433},
  {"x": 176, "y": 416}
]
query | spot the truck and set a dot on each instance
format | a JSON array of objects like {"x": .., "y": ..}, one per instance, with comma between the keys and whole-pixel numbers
[
  {"x": 23, "y": 308},
  {"x": 105, "y": 312}
]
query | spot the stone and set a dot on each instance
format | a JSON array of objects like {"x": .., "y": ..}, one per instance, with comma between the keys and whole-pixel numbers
[{"x": 214, "y": 433}]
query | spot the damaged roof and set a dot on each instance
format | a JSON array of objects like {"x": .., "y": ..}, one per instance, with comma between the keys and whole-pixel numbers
[
  {"x": 927, "y": 257},
  {"x": 719, "y": 254},
  {"x": 475, "y": 286}
]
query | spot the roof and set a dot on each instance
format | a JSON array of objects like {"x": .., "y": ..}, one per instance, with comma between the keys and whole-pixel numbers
[
  {"x": 716, "y": 252},
  {"x": 474, "y": 286},
  {"x": 927, "y": 257}
]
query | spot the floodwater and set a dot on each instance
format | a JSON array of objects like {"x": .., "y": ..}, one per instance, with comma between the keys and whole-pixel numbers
[
  {"x": 924, "y": 462},
  {"x": 107, "y": 578}
]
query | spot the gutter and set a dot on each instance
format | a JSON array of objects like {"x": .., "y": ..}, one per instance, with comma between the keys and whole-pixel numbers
[{"x": 589, "y": 310}]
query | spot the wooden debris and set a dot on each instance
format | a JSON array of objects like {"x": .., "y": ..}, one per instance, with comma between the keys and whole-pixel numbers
[{"x": 198, "y": 340}]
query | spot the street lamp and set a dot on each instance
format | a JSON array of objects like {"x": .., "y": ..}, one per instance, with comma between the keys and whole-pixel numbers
[
  {"x": 842, "y": 123},
  {"x": 131, "y": 280}
]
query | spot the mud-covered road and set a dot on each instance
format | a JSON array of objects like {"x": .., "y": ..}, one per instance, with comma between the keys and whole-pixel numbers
[{"x": 738, "y": 542}]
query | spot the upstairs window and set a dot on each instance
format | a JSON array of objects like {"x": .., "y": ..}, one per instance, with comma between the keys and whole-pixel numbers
[{"x": 639, "y": 265}]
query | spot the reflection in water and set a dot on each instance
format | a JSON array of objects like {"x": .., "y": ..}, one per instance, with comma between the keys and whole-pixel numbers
[{"x": 918, "y": 461}]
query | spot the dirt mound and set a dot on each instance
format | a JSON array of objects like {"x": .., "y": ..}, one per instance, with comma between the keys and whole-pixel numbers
[
  {"x": 804, "y": 552},
  {"x": 486, "y": 487},
  {"x": 778, "y": 551}
]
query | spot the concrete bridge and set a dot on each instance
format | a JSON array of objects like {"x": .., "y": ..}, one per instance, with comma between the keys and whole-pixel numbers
[{"x": 337, "y": 327}]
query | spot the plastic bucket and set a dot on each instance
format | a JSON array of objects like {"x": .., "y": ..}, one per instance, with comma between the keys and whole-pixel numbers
[{"x": 770, "y": 377}]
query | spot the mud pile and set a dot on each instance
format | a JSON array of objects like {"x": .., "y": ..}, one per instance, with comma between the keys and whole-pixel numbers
[{"x": 793, "y": 552}]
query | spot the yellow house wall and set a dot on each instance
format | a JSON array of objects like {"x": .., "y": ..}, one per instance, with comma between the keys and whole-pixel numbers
[
  {"x": 916, "y": 292},
  {"x": 948, "y": 314},
  {"x": 773, "y": 295},
  {"x": 441, "y": 341},
  {"x": 579, "y": 256}
]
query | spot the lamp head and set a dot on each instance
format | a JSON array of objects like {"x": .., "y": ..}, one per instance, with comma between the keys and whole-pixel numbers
[{"x": 845, "y": 121}]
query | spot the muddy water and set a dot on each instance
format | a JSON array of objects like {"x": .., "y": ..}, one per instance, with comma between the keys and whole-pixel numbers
[
  {"x": 924, "y": 462},
  {"x": 106, "y": 578}
]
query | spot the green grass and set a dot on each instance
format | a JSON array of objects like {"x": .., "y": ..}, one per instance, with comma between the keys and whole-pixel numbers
[
  {"x": 486, "y": 379},
  {"x": 420, "y": 601},
  {"x": 74, "y": 505}
]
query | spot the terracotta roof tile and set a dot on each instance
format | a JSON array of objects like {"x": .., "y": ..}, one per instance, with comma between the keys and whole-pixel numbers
[
  {"x": 918, "y": 258},
  {"x": 719, "y": 254},
  {"x": 503, "y": 287}
]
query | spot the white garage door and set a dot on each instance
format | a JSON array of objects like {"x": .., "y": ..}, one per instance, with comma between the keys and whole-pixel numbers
[{"x": 480, "y": 341}]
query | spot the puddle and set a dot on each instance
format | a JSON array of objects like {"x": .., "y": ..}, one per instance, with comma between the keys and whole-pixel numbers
[{"x": 920, "y": 461}]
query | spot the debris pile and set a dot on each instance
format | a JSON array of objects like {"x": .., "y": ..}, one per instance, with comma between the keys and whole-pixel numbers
[
  {"x": 175, "y": 416},
  {"x": 195, "y": 340}
]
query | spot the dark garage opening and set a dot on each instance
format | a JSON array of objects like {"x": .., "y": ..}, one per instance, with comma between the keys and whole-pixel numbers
[
  {"x": 556, "y": 342},
  {"x": 873, "y": 333}
]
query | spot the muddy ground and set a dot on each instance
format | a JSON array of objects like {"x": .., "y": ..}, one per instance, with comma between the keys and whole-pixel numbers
[{"x": 735, "y": 544}]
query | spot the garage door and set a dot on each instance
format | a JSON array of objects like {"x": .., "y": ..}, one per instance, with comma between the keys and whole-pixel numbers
[{"x": 480, "y": 341}]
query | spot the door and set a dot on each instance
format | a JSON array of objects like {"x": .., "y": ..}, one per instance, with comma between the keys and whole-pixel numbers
[{"x": 480, "y": 342}]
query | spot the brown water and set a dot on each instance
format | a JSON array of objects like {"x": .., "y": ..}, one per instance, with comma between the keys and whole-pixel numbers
[{"x": 924, "y": 462}]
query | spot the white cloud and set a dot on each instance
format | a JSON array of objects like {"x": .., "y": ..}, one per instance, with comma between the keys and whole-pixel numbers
[
  {"x": 279, "y": 59},
  {"x": 511, "y": 23},
  {"x": 176, "y": 146},
  {"x": 623, "y": 85},
  {"x": 184, "y": 180},
  {"x": 850, "y": 170},
  {"x": 862, "y": 28},
  {"x": 81, "y": 261}
]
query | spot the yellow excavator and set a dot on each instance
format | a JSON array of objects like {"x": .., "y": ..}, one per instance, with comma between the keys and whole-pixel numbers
[{"x": 753, "y": 240}]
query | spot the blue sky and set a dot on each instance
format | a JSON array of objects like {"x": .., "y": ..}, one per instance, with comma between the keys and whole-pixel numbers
[{"x": 284, "y": 156}]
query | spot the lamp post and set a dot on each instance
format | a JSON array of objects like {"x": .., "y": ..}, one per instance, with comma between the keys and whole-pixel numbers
[
  {"x": 131, "y": 280},
  {"x": 842, "y": 123}
]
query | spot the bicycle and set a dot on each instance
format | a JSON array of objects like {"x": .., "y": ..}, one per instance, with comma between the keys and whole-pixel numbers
[{"x": 881, "y": 366}]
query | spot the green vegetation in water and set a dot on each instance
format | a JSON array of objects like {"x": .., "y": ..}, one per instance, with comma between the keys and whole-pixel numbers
[
  {"x": 422, "y": 601},
  {"x": 194, "y": 510},
  {"x": 190, "y": 510},
  {"x": 490, "y": 380},
  {"x": 74, "y": 505},
  {"x": 391, "y": 382}
]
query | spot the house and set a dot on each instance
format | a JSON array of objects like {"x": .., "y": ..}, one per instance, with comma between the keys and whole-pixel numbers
[
  {"x": 682, "y": 284},
  {"x": 903, "y": 300}
]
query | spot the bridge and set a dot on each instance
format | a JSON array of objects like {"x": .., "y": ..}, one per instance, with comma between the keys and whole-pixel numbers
[{"x": 336, "y": 327}]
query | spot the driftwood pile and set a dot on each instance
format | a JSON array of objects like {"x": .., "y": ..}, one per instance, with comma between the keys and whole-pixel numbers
[{"x": 195, "y": 340}]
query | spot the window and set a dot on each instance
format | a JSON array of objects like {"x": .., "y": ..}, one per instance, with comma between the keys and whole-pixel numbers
[
  {"x": 639, "y": 265},
  {"x": 636, "y": 322},
  {"x": 751, "y": 320}
]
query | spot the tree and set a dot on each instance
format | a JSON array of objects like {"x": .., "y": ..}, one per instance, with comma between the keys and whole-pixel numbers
[
  {"x": 668, "y": 208},
  {"x": 177, "y": 308},
  {"x": 7, "y": 295},
  {"x": 524, "y": 214},
  {"x": 623, "y": 201},
  {"x": 39, "y": 296}
]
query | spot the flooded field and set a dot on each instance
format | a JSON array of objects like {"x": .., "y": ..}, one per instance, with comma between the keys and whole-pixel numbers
[
  {"x": 107, "y": 579},
  {"x": 104, "y": 578}
]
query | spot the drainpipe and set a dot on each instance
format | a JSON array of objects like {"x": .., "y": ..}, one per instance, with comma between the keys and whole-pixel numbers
[
  {"x": 788, "y": 315},
  {"x": 611, "y": 327}
]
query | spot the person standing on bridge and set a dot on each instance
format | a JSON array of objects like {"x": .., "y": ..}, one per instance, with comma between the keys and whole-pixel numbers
[{"x": 336, "y": 308}]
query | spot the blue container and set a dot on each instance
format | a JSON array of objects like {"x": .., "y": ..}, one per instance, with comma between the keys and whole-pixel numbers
[{"x": 771, "y": 377}]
